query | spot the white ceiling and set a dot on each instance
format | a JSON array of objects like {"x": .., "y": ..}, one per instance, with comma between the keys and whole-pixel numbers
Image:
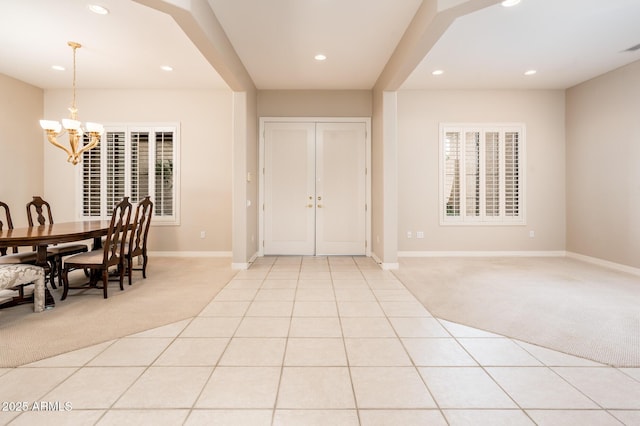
[
  {"x": 566, "y": 41},
  {"x": 123, "y": 50},
  {"x": 278, "y": 39}
]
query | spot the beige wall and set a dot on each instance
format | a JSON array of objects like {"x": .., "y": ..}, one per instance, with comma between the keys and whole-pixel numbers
[
  {"x": 21, "y": 142},
  {"x": 314, "y": 103},
  {"x": 206, "y": 142},
  {"x": 419, "y": 115},
  {"x": 603, "y": 167}
]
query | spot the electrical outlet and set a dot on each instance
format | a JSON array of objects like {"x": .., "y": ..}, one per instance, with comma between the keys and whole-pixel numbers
[
  {"x": 409, "y": 234},
  {"x": 203, "y": 234},
  {"x": 532, "y": 234},
  {"x": 420, "y": 234}
]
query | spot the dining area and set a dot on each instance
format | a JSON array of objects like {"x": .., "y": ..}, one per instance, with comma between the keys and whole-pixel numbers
[{"x": 39, "y": 258}]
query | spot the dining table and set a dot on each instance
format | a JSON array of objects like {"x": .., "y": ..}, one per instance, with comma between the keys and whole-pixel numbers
[{"x": 43, "y": 236}]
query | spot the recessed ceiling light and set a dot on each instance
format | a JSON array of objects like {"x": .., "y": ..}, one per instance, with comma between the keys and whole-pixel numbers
[
  {"x": 100, "y": 10},
  {"x": 166, "y": 68},
  {"x": 320, "y": 57},
  {"x": 509, "y": 3},
  {"x": 437, "y": 72},
  {"x": 58, "y": 67},
  {"x": 530, "y": 72}
]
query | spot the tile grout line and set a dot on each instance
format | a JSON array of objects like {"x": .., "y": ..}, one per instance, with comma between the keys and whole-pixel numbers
[{"x": 346, "y": 353}]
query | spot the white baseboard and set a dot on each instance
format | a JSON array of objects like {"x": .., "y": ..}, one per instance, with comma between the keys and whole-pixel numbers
[
  {"x": 190, "y": 253},
  {"x": 604, "y": 263},
  {"x": 480, "y": 253},
  {"x": 240, "y": 266},
  {"x": 388, "y": 266}
]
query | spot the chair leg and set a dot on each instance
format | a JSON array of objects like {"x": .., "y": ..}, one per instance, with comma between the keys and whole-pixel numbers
[
  {"x": 52, "y": 273},
  {"x": 65, "y": 283},
  {"x": 121, "y": 271},
  {"x": 59, "y": 268},
  {"x": 105, "y": 282},
  {"x": 129, "y": 261},
  {"x": 144, "y": 265}
]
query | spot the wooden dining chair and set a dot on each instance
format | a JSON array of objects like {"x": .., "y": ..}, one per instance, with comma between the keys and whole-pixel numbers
[
  {"x": 110, "y": 255},
  {"x": 40, "y": 210},
  {"x": 12, "y": 255},
  {"x": 136, "y": 245}
]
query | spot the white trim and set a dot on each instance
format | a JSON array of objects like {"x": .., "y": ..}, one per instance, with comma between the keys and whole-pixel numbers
[
  {"x": 190, "y": 253},
  {"x": 245, "y": 265},
  {"x": 241, "y": 266},
  {"x": 480, "y": 253},
  {"x": 604, "y": 263},
  {"x": 389, "y": 266},
  {"x": 385, "y": 266}
]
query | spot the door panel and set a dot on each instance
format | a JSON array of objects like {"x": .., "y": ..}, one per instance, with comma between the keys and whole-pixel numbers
[
  {"x": 340, "y": 189},
  {"x": 289, "y": 215},
  {"x": 314, "y": 188}
]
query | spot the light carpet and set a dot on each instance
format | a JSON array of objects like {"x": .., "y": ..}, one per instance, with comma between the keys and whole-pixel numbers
[
  {"x": 559, "y": 303},
  {"x": 175, "y": 289}
]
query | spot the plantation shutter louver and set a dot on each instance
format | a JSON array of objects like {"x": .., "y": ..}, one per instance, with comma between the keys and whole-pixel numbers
[
  {"x": 139, "y": 165},
  {"x": 115, "y": 187},
  {"x": 492, "y": 173},
  {"x": 472, "y": 173},
  {"x": 452, "y": 173},
  {"x": 164, "y": 174},
  {"x": 512, "y": 174},
  {"x": 91, "y": 182}
]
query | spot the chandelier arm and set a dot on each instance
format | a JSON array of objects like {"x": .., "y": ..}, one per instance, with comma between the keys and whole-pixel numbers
[
  {"x": 51, "y": 136},
  {"x": 74, "y": 138},
  {"x": 95, "y": 140}
]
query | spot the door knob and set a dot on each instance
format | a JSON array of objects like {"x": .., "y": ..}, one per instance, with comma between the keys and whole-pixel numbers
[
  {"x": 309, "y": 206},
  {"x": 319, "y": 198},
  {"x": 319, "y": 206}
]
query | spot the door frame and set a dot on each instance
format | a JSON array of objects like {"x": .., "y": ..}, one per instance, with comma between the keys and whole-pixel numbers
[{"x": 261, "y": 189}]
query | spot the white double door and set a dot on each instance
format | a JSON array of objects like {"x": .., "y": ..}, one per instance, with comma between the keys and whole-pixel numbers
[{"x": 315, "y": 188}]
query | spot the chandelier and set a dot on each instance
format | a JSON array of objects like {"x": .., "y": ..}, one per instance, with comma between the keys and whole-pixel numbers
[{"x": 72, "y": 126}]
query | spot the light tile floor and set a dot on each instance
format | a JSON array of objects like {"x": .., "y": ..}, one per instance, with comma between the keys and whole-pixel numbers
[{"x": 318, "y": 341}]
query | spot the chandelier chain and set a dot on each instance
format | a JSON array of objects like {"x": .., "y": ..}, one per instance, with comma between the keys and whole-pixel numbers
[{"x": 73, "y": 109}]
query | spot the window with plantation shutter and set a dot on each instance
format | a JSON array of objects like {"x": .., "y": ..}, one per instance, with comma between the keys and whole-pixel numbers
[
  {"x": 132, "y": 161},
  {"x": 482, "y": 174}
]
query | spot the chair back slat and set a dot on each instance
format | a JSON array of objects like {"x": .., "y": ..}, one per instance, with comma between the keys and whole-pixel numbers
[
  {"x": 114, "y": 242},
  {"x": 138, "y": 241},
  {"x": 39, "y": 209},
  {"x": 8, "y": 223}
]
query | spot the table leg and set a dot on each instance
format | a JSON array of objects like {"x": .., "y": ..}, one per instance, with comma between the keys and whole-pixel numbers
[
  {"x": 41, "y": 260},
  {"x": 97, "y": 243}
]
